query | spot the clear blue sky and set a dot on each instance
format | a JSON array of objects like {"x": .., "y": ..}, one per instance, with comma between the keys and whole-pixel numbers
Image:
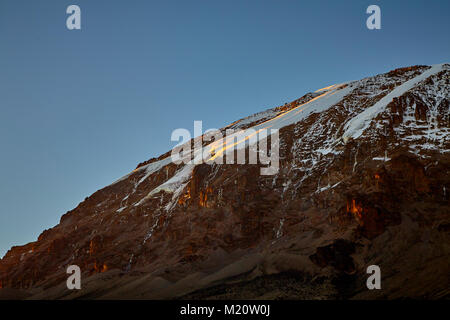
[{"x": 79, "y": 109}]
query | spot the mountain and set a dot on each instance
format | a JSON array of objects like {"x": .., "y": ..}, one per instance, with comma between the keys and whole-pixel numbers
[{"x": 363, "y": 180}]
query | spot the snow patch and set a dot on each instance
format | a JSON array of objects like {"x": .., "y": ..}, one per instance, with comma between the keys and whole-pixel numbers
[
  {"x": 356, "y": 126},
  {"x": 173, "y": 184}
]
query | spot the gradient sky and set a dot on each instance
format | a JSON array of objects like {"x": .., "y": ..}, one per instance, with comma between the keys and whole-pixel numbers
[{"x": 79, "y": 109}]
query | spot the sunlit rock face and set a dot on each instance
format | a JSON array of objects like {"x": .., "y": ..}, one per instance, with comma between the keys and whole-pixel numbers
[{"x": 363, "y": 179}]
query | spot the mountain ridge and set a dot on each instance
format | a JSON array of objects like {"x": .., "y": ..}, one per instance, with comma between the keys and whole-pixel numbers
[{"x": 338, "y": 200}]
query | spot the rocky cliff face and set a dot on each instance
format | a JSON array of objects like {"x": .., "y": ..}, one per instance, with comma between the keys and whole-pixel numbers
[{"x": 363, "y": 179}]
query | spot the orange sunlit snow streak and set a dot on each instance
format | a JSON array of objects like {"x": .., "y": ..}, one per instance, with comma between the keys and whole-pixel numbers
[
  {"x": 227, "y": 146},
  {"x": 218, "y": 147},
  {"x": 298, "y": 109},
  {"x": 326, "y": 88}
]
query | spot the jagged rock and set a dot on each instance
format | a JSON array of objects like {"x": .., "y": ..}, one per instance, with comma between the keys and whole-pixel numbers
[{"x": 341, "y": 201}]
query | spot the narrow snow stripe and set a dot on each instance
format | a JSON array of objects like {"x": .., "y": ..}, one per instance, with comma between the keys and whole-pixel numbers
[{"x": 356, "y": 126}]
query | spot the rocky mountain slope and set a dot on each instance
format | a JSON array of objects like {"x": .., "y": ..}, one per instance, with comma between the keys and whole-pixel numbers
[{"x": 363, "y": 179}]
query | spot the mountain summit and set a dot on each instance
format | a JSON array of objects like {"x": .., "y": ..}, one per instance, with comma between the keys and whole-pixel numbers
[{"x": 363, "y": 180}]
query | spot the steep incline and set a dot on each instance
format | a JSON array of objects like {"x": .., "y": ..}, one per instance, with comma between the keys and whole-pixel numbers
[{"x": 364, "y": 179}]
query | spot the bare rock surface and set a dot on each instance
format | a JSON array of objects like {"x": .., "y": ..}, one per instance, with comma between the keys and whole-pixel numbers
[{"x": 364, "y": 181}]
